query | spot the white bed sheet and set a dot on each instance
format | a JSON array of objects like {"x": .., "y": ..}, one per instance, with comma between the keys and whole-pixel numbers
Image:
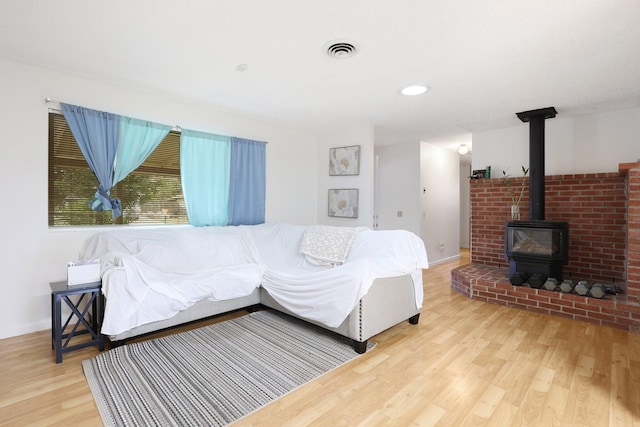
[
  {"x": 328, "y": 294},
  {"x": 152, "y": 274}
]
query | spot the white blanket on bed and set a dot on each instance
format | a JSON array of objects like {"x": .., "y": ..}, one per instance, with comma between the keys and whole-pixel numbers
[
  {"x": 151, "y": 274},
  {"x": 329, "y": 294}
]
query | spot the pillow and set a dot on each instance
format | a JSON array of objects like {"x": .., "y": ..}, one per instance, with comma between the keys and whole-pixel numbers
[{"x": 328, "y": 245}]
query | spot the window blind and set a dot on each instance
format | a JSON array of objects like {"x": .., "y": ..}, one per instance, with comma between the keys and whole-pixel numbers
[{"x": 152, "y": 194}]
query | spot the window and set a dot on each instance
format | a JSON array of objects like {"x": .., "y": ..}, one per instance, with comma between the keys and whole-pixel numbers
[{"x": 152, "y": 194}]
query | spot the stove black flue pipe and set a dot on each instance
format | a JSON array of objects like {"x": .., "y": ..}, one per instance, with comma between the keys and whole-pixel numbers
[{"x": 536, "y": 120}]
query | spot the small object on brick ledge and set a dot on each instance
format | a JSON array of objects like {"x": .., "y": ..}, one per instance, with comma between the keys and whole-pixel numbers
[
  {"x": 517, "y": 279},
  {"x": 610, "y": 289},
  {"x": 597, "y": 291},
  {"x": 537, "y": 280},
  {"x": 551, "y": 284},
  {"x": 582, "y": 288},
  {"x": 567, "y": 286}
]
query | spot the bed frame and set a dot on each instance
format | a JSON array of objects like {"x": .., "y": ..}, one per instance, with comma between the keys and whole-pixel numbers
[{"x": 388, "y": 302}]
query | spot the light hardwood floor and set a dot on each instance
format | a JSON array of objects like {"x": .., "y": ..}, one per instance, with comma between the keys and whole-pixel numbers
[{"x": 466, "y": 363}]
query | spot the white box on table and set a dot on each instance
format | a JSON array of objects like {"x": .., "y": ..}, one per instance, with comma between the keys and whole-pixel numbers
[{"x": 81, "y": 272}]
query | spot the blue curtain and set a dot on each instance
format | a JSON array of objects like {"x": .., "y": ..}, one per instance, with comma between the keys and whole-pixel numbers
[
  {"x": 204, "y": 169},
  {"x": 223, "y": 178},
  {"x": 138, "y": 139},
  {"x": 97, "y": 134},
  {"x": 247, "y": 186}
]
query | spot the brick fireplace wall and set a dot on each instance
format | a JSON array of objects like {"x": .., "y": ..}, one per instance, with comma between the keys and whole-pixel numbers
[
  {"x": 594, "y": 205},
  {"x": 633, "y": 231},
  {"x": 603, "y": 212}
]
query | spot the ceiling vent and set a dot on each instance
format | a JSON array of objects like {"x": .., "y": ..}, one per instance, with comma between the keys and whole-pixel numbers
[{"x": 341, "y": 49}]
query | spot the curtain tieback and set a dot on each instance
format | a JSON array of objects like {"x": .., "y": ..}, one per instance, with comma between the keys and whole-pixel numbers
[{"x": 102, "y": 202}]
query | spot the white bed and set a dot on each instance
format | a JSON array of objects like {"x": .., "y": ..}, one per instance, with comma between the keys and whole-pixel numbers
[{"x": 155, "y": 278}]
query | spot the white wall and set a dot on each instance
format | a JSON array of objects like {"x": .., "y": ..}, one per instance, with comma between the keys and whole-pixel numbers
[
  {"x": 31, "y": 254},
  {"x": 440, "y": 187},
  {"x": 398, "y": 187},
  {"x": 465, "y": 205},
  {"x": 361, "y": 135},
  {"x": 422, "y": 181},
  {"x": 585, "y": 144}
]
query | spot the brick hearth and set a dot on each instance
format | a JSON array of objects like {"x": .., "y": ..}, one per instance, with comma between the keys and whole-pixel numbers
[{"x": 603, "y": 212}]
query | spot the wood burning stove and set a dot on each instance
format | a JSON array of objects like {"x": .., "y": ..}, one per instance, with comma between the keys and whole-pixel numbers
[{"x": 536, "y": 250}]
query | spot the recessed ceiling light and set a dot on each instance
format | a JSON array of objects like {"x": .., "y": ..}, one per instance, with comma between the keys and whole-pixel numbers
[{"x": 414, "y": 90}]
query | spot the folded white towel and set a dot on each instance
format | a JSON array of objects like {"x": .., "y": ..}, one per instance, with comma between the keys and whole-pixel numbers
[{"x": 328, "y": 245}]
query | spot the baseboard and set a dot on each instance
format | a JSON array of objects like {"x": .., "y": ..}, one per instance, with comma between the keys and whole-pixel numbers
[
  {"x": 14, "y": 331},
  {"x": 443, "y": 260}
]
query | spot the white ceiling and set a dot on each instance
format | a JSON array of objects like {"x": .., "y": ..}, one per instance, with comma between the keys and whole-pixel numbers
[{"x": 482, "y": 60}]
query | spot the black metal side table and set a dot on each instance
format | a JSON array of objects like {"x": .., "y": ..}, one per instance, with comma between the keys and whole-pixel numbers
[{"x": 87, "y": 310}]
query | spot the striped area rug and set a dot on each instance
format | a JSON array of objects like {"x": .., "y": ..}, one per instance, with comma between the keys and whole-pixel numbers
[{"x": 213, "y": 375}]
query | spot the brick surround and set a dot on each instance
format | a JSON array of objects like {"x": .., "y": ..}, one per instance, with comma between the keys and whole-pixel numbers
[{"x": 603, "y": 212}]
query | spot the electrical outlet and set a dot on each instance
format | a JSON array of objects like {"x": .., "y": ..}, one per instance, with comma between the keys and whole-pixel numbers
[
  {"x": 442, "y": 245},
  {"x": 399, "y": 214}
]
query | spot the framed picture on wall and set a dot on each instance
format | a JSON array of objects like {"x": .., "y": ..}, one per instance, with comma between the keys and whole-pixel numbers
[
  {"x": 344, "y": 160},
  {"x": 343, "y": 203}
]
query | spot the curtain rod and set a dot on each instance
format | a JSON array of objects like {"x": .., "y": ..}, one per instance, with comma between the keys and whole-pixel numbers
[
  {"x": 56, "y": 108},
  {"x": 56, "y": 105}
]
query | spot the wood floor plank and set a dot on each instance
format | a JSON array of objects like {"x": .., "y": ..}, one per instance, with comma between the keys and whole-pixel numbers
[
  {"x": 429, "y": 416},
  {"x": 467, "y": 363},
  {"x": 486, "y": 406},
  {"x": 504, "y": 415},
  {"x": 531, "y": 409},
  {"x": 554, "y": 406}
]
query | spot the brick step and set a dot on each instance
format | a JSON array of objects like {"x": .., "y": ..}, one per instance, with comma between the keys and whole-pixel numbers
[{"x": 491, "y": 284}]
